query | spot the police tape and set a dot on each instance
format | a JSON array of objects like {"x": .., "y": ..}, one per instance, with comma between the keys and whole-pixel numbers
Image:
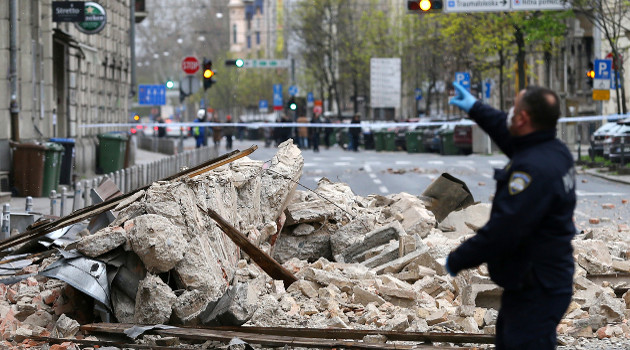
[{"x": 363, "y": 125}]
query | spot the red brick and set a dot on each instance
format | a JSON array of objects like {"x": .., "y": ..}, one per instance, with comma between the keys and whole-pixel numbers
[
  {"x": 63, "y": 346},
  {"x": 623, "y": 227},
  {"x": 49, "y": 296},
  {"x": 593, "y": 221},
  {"x": 12, "y": 295},
  {"x": 480, "y": 183},
  {"x": 624, "y": 201},
  {"x": 608, "y": 206},
  {"x": 31, "y": 281},
  {"x": 584, "y": 181}
]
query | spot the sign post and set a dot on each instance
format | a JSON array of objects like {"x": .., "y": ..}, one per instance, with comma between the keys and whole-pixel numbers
[{"x": 463, "y": 78}]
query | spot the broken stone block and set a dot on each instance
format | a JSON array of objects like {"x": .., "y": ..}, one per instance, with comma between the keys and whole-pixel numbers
[
  {"x": 375, "y": 339},
  {"x": 351, "y": 233},
  {"x": 418, "y": 325},
  {"x": 468, "y": 324},
  {"x": 129, "y": 212},
  {"x": 414, "y": 273},
  {"x": 336, "y": 322},
  {"x": 65, "y": 327},
  {"x": 375, "y": 238},
  {"x": 390, "y": 286},
  {"x": 235, "y": 307},
  {"x": 399, "y": 323},
  {"x": 40, "y": 318},
  {"x": 490, "y": 317},
  {"x": 426, "y": 259},
  {"x": 481, "y": 295},
  {"x": 103, "y": 241},
  {"x": 437, "y": 317},
  {"x": 386, "y": 254},
  {"x": 154, "y": 301},
  {"x": 364, "y": 297},
  {"x": 417, "y": 219},
  {"x": 303, "y": 230},
  {"x": 466, "y": 221},
  {"x": 202, "y": 269},
  {"x": 466, "y": 311},
  {"x": 310, "y": 248},
  {"x": 406, "y": 245},
  {"x": 278, "y": 183},
  {"x": 317, "y": 210},
  {"x": 593, "y": 256},
  {"x": 123, "y": 305},
  {"x": 479, "y": 314},
  {"x": 308, "y": 288},
  {"x": 326, "y": 278},
  {"x": 247, "y": 182},
  {"x": 609, "y": 307},
  {"x": 189, "y": 305},
  {"x": 397, "y": 265},
  {"x": 159, "y": 244}
]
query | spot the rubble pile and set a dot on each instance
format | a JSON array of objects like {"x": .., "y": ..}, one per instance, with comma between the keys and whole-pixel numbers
[{"x": 374, "y": 262}]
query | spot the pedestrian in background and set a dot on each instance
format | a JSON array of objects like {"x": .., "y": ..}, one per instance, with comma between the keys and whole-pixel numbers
[
  {"x": 527, "y": 241},
  {"x": 199, "y": 132},
  {"x": 327, "y": 131},
  {"x": 216, "y": 131},
  {"x": 302, "y": 132},
  {"x": 228, "y": 131},
  {"x": 355, "y": 133},
  {"x": 161, "y": 129},
  {"x": 315, "y": 130}
]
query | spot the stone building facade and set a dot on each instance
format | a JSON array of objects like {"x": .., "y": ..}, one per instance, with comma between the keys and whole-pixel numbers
[{"x": 66, "y": 79}]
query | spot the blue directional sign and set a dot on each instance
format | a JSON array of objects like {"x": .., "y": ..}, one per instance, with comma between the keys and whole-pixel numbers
[
  {"x": 418, "y": 94},
  {"x": 487, "y": 88},
  {"x": 293, "y": 90},
  {"x": 152, "y": 95},
  {"x": 310, "y": 99},
  {"x": 603, "y": 69},
  {"x": 277, "y": 95},
  {"x": 463, "y": 78},
  {"x": 263, "y": 106}
]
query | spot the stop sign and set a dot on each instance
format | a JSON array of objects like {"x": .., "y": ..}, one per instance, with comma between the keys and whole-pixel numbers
[{"x": 190, "y": 65}]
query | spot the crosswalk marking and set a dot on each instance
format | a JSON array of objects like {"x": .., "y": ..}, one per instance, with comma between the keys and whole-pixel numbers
[
  {"x": 403, "y": 162},
  {"x": 341, "y": 163},
  {"x": 383, "y": 189},
  {"x": 436, "y": 162},
  {"x": 377, "y": 181}
]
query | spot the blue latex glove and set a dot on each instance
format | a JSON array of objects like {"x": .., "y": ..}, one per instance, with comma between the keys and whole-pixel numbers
[
  {"x": 462, "y": 99},
  {"x": 448, "y": 269}
]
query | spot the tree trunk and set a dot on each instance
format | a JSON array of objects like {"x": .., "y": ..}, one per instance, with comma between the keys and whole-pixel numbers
[
  {"x": 520, "y": 57},
  {"x": 501, "y": 65}
]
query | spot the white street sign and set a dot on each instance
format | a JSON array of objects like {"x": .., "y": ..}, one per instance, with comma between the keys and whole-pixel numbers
[
  {"x": 601, "y": 84},
  {"x": 477, "y": 5},
  {"x": 539, "y": 5},
  {"x": 385, "y": 82},
  {"x": 266, "y": 63}
]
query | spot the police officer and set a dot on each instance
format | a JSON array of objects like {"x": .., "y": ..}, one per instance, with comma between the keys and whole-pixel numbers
[{"x": 527, "y": 241}]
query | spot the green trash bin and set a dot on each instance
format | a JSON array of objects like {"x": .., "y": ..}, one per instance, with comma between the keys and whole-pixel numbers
[
  {"x": 112, "y": 149},
  {"x": 447, "y": 144},
  {"x": 52, "y": 167},
  {"x": 390, "y": 140},
  {"x": 379, "y": 141},
  {"x": 414, "y": 141}
]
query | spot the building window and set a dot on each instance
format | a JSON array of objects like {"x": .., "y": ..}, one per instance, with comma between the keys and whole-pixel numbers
[
  {"x": 234, "y": 34},
  {"x": 249, "y": 42},
  {"x": 257, "y": 38}
]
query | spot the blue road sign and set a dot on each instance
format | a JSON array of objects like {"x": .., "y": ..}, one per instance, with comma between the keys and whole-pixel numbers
[
  {"x": 463, "y": 78},
  {"x": 614, "y": 79},
  {"x": 152, "y": 95},
  {"x": 418, "y": 94},
  {"x": 603, "y": 69},
  {"x": 263, "y": 106},
  {"x": 310, "y": 97},
  {"x": 487, "y": 87},
  {"x": 277, "y": 95},
  {"x": 293, "y": 90}
]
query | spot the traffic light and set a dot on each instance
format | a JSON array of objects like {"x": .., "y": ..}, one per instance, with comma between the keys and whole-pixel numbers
[
  {"x": 423, "y": 6},
  {"x": 208, "y": 73},
  {"x": 292, "y": 105},
  {"x": 590, "y": 75},
  {"x": 237, "y": 62},
  {"x": 170, "y": 84},
  {"x": 136, "y": 117}
]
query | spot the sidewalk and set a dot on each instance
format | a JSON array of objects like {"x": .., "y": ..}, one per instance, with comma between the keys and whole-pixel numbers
[{"x": 605, "y": 174}]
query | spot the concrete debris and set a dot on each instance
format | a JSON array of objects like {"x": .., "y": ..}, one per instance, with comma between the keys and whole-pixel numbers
[
  {"x": 159, "y": 243},
  {"x": 103, "y": 241},
  {"x": 466, "y": 221},
  {"x": 154, "y": 301},
  {"x": 65, "y": 327}
]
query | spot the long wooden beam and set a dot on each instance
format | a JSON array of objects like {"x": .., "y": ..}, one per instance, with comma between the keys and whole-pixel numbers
[{"x": 332, "y": 340}]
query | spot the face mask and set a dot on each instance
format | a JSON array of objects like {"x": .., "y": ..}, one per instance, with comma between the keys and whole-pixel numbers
[{"x": 510, "y": 117}]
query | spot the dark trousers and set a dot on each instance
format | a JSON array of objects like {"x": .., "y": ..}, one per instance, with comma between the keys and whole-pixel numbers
[
  {"x": 228, "y": 142},
  {"x": 528, "y": 319},
  {"x": 315, "y": 142}
]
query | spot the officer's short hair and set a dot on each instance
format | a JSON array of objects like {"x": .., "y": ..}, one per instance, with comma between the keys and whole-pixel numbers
[{"x": 542, "y": 105}]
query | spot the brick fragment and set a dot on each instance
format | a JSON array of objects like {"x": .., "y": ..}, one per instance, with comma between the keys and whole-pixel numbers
[
  {"x": 608, "y": 206},
  {"x": 623, "y": 228},
  {"x": 624, "y": 201},
  {"x": 593, "y": 221}
]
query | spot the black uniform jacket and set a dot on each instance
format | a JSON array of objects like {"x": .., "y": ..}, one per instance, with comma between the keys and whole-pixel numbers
[{"x": 528, "y": 237}]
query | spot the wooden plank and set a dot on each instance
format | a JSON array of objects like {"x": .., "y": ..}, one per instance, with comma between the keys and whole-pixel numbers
[
  {"x": 87, "y": 212},
  {"x": 262, "y": 259},
  {"x": 261, "y": 339},
  {"x": 101, "y": 343}
]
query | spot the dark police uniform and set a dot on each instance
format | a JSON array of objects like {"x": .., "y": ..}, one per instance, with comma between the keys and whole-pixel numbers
[{"x": 527, "y": 241}]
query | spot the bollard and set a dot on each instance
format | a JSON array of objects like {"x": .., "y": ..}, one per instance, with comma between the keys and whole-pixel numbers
[
  {"x": 6, "y": 221},
  {"x": 87, "y": 185},
  {"x": 53, "y": 202},
  {"x": 76, "y": 203},
  {"x": 62, "y": 202},
  {"x": 29, "y": 204},
  {"x": 127, "y": 180},
  {"x": 117, "y": 178}
]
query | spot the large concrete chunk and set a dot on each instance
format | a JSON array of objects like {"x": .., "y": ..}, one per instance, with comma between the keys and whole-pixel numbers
[
  {"x": 351, "y": 233},
  {"x": 247, "y": 182},
  {"x": 308, "y": 212},
  {"x": 154, "y": 301},
  {"x": 234, "y": 308},
  {"x": 466, "y": 221},
  {"x": 375, "y": 238},
  {"x": 280, "y": 180},
  {"x": 608, "y": 306},
  {"x": 201, "y": 269},
  {"x": 190, "y": 305},
  {"x": 593, "y": 256},
  {"x": 159, "y": 244},
  {"x": 417, "y": 219},
  {"x": 310, "y": 247},
  {"x": 103, "y": 241}
]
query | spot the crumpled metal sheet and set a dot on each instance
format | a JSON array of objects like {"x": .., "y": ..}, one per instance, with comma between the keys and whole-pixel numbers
[
  {"x": 12, "y": 267},
  {"x": 136, "y": 330},
  {"x": 87, "y": 275}
]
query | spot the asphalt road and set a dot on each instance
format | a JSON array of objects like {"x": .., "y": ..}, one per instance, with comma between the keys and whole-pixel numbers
[{"x": 370, "y": 172}]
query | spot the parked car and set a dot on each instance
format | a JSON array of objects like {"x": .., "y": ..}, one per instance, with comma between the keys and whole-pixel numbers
[
  {"x": 599, "y": 136},
  {"x": 620, "y": 143},
  {"x": 462, "y": 136},
  {"x": 431, "y": 138}
]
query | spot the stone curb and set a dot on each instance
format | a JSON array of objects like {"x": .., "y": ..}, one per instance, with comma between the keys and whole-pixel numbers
[{"x": 624, "y": 179}]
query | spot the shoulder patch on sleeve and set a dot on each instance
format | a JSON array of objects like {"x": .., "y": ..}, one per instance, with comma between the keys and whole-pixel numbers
[{"x": 519, "y": 182}]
